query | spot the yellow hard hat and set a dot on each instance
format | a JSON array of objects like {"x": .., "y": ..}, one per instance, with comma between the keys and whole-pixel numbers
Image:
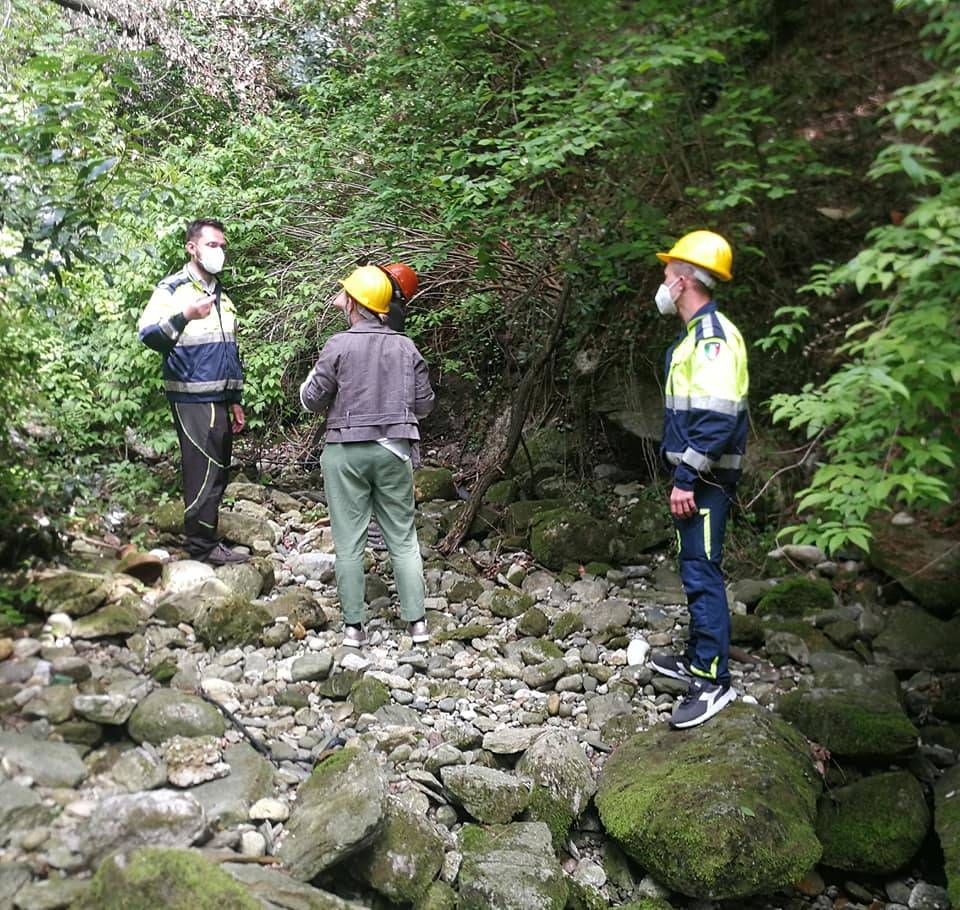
[
  {"x": 370, "y": 287},
  {"x": 704, "y": 249}
]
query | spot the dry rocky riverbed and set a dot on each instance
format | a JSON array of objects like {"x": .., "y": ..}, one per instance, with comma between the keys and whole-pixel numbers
[{"x": 206, "y": 741}]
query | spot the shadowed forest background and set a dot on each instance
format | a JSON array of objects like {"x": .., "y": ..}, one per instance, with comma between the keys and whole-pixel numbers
[{"x": 507, "y": 150}]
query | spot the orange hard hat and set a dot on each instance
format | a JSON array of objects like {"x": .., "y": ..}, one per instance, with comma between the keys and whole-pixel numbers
[{"x": 404, "y": 277}]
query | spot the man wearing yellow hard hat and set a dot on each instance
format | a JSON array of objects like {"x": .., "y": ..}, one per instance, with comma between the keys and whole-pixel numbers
[
  {"x": 374, "y": 387},
  {"x": 704, "y": 439}
]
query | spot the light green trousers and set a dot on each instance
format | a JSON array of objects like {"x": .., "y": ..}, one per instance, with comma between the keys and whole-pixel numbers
[{"x": 360, "y": 479}]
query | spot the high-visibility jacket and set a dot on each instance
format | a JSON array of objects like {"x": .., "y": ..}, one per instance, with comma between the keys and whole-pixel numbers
[
  {"x": 201, "y": 360},
  {"x": 705, "y": 416}
]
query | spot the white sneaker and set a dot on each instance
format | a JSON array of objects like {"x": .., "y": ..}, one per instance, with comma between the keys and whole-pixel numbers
[
  {"x": 354, "y": 636},
  {"x": 419, "y": 632}
]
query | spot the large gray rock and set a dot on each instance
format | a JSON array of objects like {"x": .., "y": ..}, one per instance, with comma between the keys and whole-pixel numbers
[
  {"x": 158, "y": 818},
  {"x": 139, "y": 769},
  {"x": 20, "y": 808},
  {"x": 278, "y": 891},
  {"x": 914, "y": 640},
  {"x": 852, "y": 710},
  {"x": 111, "y": 709},
  {"x": 724, "y": 810},
  {"x": 73, "y": 593},
  {"x": 243, "y": 579},
  {"x": 13, "y": 877},
  {"x": 565, "y": 535},
  {"x": 339, "y": 811},
  {"x": 49, "y": 764},
  {"x": 247, "y": 529},
  {"x": 298, "y": 605},
  {"x": 167, "y": 712},
  {"x": 611, "y": 614},
  {"x": 511, "y": 740},
  {"x": 489, "y": 795},
  {"x": 52, "y": 894},
  {"x": 510, "y": 867},
  {"x": 227, "y": 801},
  {"x": 185, "y": 575},
  {"x": 874, "y": 825},
  {"x": 122, "y": 618},
  {"x": 314, "y": 566},
  {"x": 562, "y": 781},
  {"x": 405, "y": 858}
]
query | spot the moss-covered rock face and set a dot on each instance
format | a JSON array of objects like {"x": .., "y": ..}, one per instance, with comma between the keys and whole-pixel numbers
[
  {"x": 567, "y": 536},
  {"x": 404, "y": 859},
  {"x": 462, "y": 633},
  {"x": 168, "y": 518},
  {"x": 232, "y": 622},
  {"x": 947, "y": 821},
  {"x": 566, "y": 624},
  {"x": 649, "y": 903},
  {"x": 797, "y": 597},
  {"x": 166, "y": 713},
  {"x": 874, "y": 825},
  {"x": 73, "y": 593},
  {"x": 510, "y": 867},
  {"x": 520, "y": 515},
  {"x": 914, "y": 640},
  {"x": 746, "y": 630},
  {"x": 721, "y": 811},
  {"x": 509, "y": 604},
  {"x": 151, "y": 877},
  {"x": 489, "y": 795},
  {"x": 501, "y": 493},
  {"x": 533, "y": 622},
  {"x": 439, "y": 896},
  {"x": 433, "y": 483},
  {"x": 369, "y": 694}
]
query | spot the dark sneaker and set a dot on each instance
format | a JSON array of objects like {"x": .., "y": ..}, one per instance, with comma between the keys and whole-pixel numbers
[
  {"x": 672, "y": 665},
  {"x": 221, "y": 555},
  {"x": 419, "y": 633},
  {"x": 354, "y": 636},
  {"x": 703, "y": 699}
]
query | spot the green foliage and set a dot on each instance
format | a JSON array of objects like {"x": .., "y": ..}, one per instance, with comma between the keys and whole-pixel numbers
[{"x": 884, "y": 416}]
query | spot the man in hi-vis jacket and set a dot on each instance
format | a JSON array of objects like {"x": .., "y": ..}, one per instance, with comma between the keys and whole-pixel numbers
[
  {"x": 704, "y": 439},
  {"x": 192, "y": 322}
]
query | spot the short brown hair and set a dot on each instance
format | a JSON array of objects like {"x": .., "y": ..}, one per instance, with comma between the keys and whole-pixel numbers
[{"x": 198, "y": 224}]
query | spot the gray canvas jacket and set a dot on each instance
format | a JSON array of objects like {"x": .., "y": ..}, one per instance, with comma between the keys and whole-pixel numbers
[{"x": 372, "y": 382}]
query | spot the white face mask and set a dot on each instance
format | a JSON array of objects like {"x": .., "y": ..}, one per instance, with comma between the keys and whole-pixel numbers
[
  {"x": 664, "y": 299},
  {"x": 211, "y": 258}
]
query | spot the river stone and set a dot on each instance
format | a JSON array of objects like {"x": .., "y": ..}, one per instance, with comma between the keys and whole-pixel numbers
[
  {"x": 852, "y": 710},
  {"x": 252, "y": 492},
  {"x": 750, "y": 591},
  {"x": 227, "y": 801},
  {"x": 55, "y": 703},
  {"x": 278, "y": 891},
  {"x": 368, "y": 695},
  {"x": 73, "y": 593},
  {"x": 185, "y": 575},
  {"x": 605, "y": 707},
  {"x": 611, "y": 614},
  {"x": 311, "y": 667},
  {"x": 947, "y": 822},
  {"x": 875, "y": 825},
  {"x": 519, "y": 515},
  {"x": 339, "y": 811},
  {"x": 914, "y": 640},
  {"x": 113, "y": 619},
  {"x": 509, "y": 604},
  {"x": 20, "y": 808},
  {"x": 139, "y": 769},
  {"x": 157, "y": 818},
  {"x": 168, "y": 517},
  {"x": 111, "y": 709},
  {"x": 541, "y": 675},
  {"x": 925, "y": 565},
  {"x": 797, "y": 597},
  {"x": 157, "y": 877},
  {"x": 405, "y": 858},
  {"x": 315, "y": 566},
  {"x": 510, "y": 867},
  {"x": 246, "y": 529},
  {"x": 489, "y": 795},
  {"x": 52, "y": 894},
  {"x": 298, "y": 606},
  {"x": 232, "y": 622},
  {"x": 193, "y": 760},
  {"x": 13, "y": 876},
  {"x": 167, "y": 712},
  {"x": 565, "y": 535},
  {"x": 439, "y": 896},
  {"x": 50, "y": 764},
  {"x": 562, "y": 782},
  {"x": 433, "y": 483},
  {"x": 510, "y": 740},
  {"x": 723, "y": 810},
  {"x": 533, "y": 622},
  {"x": 243, "y": 579}
]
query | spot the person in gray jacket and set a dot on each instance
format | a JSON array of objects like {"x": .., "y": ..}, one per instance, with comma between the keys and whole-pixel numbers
[{"x": 374, "y": 387}]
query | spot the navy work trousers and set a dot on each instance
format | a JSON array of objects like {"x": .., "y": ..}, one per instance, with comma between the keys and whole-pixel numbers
[{"x": 700, "y": 538}]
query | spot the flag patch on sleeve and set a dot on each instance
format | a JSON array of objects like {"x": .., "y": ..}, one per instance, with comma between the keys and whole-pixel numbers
[{"x": 711, "y": 350}]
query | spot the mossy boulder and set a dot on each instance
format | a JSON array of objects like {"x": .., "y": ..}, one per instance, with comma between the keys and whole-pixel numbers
[
  {"x": 73, "y": 593},
  {"x": 339, "y": 812},
  {"x": 510, "y": 867},
  {"x": 368, "y": 695},
  {"x": 567, "y": 623},
  {"x": 165, "y": 713},
  {"x": 232, "y": 622},
  {"x": 439, "y": 896},
  {"x": 501, "y": 493},
  {"x": 546, "y": 446},
  {"x": 462, "y": 633},
  {"x": 567, "y": 536},
  {"x": 508, "y": 604},
  {"x": 405, "y": 858},
  {"x": 947, "y": 823},
  {"x": 152, "y": 877},
  {"x": 724, "y": 810},
  {"x": 123, "y": 618},
  {"x": 533, "y": 622},
  {"x": 746, "y": 629},
  {"x": 246, "y": 529},
  {"x": 874, "y": 825},
  {"x": 519, "y": 515},
  {"x": 433, "y": 483},
  {"x": 278, "y": 891},
  {"x": 489, "y": 795},
  {"x": 464, "y": 589},
  {"x": 797, "y": 597},
  {"x": 168, "y": 518},
  {"x": 914, "y": 640},
  {"x": 643, "y": 526},
  {"x": 852, "y": 710}
]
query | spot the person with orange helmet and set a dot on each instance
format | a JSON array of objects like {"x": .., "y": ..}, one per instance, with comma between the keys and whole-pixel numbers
[
  {"x": 373, "y": 385},
  {"x": 405, "y": 284},
  {"x": 704, "y": 439}
]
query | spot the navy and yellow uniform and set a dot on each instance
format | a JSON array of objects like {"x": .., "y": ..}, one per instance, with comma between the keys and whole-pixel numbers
[
  {"x": 704, "y": 440},
  {"x": 202, "y": 378}
]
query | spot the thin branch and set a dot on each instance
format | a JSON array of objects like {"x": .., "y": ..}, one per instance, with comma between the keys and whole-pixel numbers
[{"x": 790, "y": 467}]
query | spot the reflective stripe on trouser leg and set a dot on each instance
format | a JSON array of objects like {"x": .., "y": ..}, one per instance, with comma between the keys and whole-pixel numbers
[
  {"x": 350, "y": 502},
  {"x": 206, "y": 441},
  {"x": 701, "y": 550}
]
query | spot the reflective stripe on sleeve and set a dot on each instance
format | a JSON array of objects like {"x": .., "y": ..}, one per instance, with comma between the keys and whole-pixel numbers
[
  {"x": 706, "y": 403},
  {"x": 207, "y": 338},
  {"x": 167, "y": 327},
  {"x": 724, "y": 462},
  {"x": 216, "y": 385}
]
